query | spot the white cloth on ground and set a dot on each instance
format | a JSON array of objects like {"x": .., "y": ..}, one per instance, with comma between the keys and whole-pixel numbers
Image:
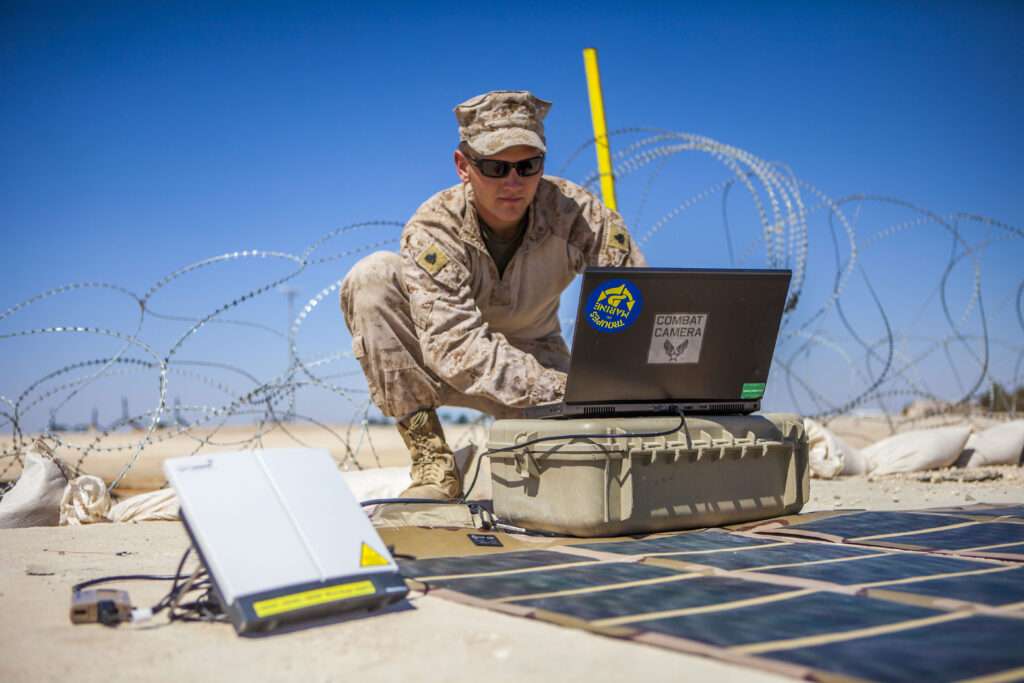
[
  {"x": 155, "y": 506},
  {"x": 389, "y": 482},
  {"x": 383, "y": 482},
  {"x": 35, "y": 498},
  {"x": 85, "y": 501}
]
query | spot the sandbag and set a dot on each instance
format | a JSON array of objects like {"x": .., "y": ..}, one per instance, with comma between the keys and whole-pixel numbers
[
  {"x": 155, "y": 506},
  {"x": 85, "y": 501},
  {"x": 916, "y": 451},
  {"x": 35, "y": 498},
  {"x": 999, "y": 445},
  {"x": 829, "y": 455},
  {"x": 854, "y": 462}
]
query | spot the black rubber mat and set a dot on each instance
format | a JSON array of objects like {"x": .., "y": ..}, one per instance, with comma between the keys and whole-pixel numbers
[
  {"x": 697, "y": 592},
  {"x": 995, "y": 589},
  {"x": 949, "y": 651},
  {"x": 568, "y": 578},
  {"x": 798, "y": 617},
  {"x": 690, "y": 541},
  {"x": 961, "y": 538},
  {"x": 476, "y": 564},
  {"x": 858, "y": 524},
  {"x": 892, "y": 567}
]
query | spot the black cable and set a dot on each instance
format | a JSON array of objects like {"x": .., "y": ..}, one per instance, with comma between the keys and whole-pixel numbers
[
  {"x": 165, "y": 601},
  {"x": 181, "y": 565},
  {"x": 204, "y": 608},
  {"x": 380, "y": 501},
  {"x": 525, "y": 444},
  {"x": 122, "y": 577}
]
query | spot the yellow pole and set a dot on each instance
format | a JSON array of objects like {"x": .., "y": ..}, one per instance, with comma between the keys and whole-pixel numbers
[{"x": 601, "y": 142}]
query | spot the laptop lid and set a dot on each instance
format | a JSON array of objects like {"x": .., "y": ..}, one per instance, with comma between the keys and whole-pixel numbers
[{"x": 664, "y": 335}]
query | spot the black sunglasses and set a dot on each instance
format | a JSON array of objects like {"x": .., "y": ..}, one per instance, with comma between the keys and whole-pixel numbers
[{"x": 492, "y": 168}]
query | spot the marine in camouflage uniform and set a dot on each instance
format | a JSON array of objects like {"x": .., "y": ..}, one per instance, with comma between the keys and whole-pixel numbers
[{"x": 467, "y": 313}]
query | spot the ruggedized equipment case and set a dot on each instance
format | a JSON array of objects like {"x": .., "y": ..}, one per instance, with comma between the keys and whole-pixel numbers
[{"x": 716, "y": 470}]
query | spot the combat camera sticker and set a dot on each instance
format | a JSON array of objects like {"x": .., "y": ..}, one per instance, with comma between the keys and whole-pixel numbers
[
  {"x": 677, "y": 337},
  {"x": 614, "y": 306}
]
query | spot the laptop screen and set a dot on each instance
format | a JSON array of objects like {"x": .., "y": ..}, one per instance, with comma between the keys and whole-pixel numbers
[{"x": 659, "y": 334}]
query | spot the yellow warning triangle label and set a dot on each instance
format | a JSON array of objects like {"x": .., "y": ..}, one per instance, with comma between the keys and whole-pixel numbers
[{"x": 371, "y": 558}]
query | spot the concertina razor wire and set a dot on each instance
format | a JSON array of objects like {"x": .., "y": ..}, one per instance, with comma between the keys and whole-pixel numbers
[{"x": 884, "y": 368}]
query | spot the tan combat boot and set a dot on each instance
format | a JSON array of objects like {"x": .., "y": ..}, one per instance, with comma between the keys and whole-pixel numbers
[{"x": 434, "y": 474}]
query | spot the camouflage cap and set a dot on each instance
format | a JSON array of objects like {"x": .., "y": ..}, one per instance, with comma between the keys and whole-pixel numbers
[{"x": 501, "y": 119}]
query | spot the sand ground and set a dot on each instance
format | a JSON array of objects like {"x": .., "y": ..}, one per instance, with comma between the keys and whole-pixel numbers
[
  {"x": 427, "y": 639},
  {"x": 430, "y": 639}
]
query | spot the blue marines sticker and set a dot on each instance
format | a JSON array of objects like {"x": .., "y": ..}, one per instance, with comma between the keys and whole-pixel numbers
[{"x": 614, "y": 306}]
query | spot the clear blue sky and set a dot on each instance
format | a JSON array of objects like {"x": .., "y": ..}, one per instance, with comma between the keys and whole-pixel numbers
[{"x": 139, "y": 137}]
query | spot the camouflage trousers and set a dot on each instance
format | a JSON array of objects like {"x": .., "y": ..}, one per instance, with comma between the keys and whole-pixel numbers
[{"x": 384, "y": 340}]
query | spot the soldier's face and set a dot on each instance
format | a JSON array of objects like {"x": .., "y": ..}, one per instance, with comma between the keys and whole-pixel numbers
[{"x": 501, "y": 202}]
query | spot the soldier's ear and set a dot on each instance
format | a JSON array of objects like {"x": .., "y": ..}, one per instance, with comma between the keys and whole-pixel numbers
[{"x": 462, "y": 166}]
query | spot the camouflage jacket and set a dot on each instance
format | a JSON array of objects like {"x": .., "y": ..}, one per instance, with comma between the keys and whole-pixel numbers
[{"x": 499, "y": 337}]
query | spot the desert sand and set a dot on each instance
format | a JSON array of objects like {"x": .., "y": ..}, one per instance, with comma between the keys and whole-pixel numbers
[{"x": 426, "y": 639}]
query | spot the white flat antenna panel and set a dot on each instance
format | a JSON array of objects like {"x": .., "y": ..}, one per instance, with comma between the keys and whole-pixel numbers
[{"x": 282, "y": 536}]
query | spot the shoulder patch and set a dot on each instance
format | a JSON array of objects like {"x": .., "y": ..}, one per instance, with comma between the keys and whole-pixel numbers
[
  {"x": 617, "y": 237},
  {"x": 432, "y": 259}
]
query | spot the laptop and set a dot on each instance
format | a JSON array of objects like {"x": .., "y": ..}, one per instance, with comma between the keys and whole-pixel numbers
[
  {"x": 282, "y": 536},
  {"x": 655, "y": 341}
]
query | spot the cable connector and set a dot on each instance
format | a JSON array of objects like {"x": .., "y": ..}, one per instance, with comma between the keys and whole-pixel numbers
[
  {"x": 141, "y": 614},
  {"x": 102, "y": 606}
]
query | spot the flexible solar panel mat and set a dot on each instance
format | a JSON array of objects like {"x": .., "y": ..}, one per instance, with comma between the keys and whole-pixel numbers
[
  {"x": 619, "y": 606},
  {"x": 547, "y": 582},
  {"x": 766, "y": 556},
  {"x": 803, "y": 606},
  {"x": 983, "y": 510},
  {"x": 988, "y": 531},
  {"x": 708, "y": 540},
  {"x": 487, "y": 564},
  {"x": 797, "y": 615},
  {"x": 997, "y": 587},
  {"x": 854, "y": 525},
  {"x": 963, "y": 649},
  {"x": 879, "y": 569},
  {"x": 1007, "y": 551}
]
